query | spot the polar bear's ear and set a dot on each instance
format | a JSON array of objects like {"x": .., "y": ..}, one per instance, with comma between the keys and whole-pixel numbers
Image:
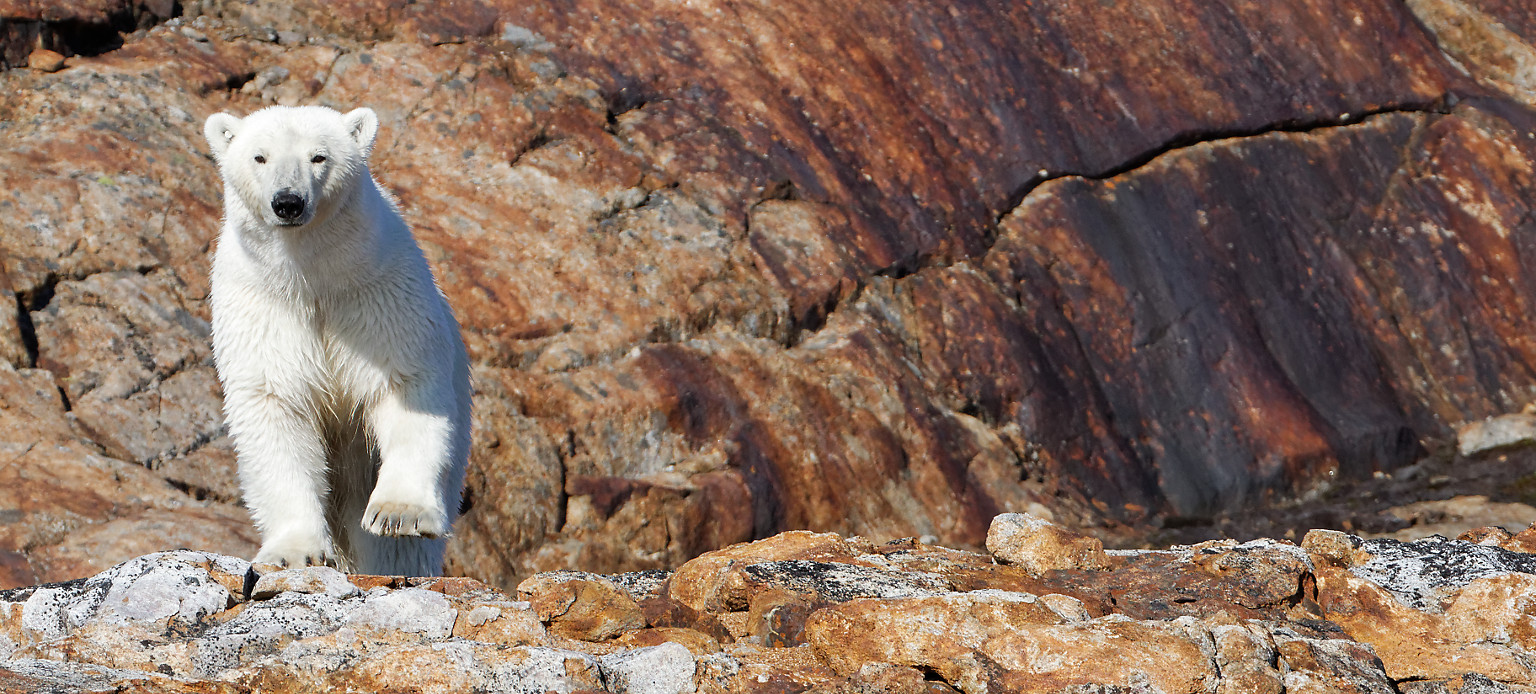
[
  {"x": 220, "y": 129},
  {"x": 362, "y": 125}
]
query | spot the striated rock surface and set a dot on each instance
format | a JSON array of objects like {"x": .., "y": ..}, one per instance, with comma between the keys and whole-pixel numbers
[
  {"x": 727, "y": 269},
  {"x": 807, "y": 612}
]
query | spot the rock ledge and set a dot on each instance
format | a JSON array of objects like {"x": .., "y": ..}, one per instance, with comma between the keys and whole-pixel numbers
[{"x": 804, "y": 611}]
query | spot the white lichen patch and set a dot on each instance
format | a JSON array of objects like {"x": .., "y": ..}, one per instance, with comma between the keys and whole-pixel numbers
[{"x": 1425, "y": 573}]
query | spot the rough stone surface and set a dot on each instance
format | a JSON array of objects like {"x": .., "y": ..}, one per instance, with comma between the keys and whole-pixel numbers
[
  {"x": 318, "y": 580},
  {"x": 44, "y": 60},
  {"x": 1039, "y": 546},
  {"x": 1448, "y": 517},
  {"x": 1341, "y": 614},
  {"x": 1505, "y": 431},
  {"x": 581, "y": 608},
  {"x": 1494, "y": 39},
  {"x": 1425, "y": 573},
  {"x": 730, "y": 269}
]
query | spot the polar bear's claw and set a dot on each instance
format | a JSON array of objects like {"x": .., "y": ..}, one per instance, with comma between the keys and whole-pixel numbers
[
  {"x": 396, "y": 519},
  {"x": 294, "y": 555}
]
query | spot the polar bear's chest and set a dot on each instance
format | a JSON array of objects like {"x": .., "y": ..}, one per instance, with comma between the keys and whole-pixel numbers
[{"x": 357, "y": 367}]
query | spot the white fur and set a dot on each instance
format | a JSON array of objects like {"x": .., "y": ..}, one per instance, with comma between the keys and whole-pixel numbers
[{"x": 346, "y": 385}]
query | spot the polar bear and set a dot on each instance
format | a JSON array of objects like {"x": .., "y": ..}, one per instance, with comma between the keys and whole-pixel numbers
[{"x": 346, "y": 384}]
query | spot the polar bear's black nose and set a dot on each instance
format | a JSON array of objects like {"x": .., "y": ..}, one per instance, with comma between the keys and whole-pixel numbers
[{"x": 287, "y": 205}]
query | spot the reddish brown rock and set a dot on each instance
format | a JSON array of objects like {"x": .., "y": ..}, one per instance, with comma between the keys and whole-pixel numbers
[
  {"x": 777, "y": 618},
  {"x": 580, "y": 608},
  {"x": 1494, "y": 39},
  {"x": 982, "y": 642},
  {"x": 1216, "y": 580},
  {"x": 66, "y": 27},
  {"x": 717, "y": 581},
  {"x": 67, "y": 512},
  {"x": 1523, "y": 541},
  {"x": 697, "y": 642},
  {"x": 134, "y": 363},
  {"x": 1410, "y": 643},
  {"x": 1246, "y": 655},
  {"x": 783, "y": 269},
  {"x": 1331, "y": 665},
  {"x": 1039, "y": 546},
  {"x": 44, "y": 60},
  {"x": 1429, "y": 617},
  {"x": 213, "y": 527}
]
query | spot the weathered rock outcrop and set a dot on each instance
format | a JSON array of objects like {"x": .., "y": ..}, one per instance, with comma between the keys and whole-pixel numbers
[
  {"x": 731, "y": 268},
  {"x": 815, "y": 612}
]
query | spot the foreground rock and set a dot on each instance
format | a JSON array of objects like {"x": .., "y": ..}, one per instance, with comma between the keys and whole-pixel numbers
[{"x": 812, "y": 612}]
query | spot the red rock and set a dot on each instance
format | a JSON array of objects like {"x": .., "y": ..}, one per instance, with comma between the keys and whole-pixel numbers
[
  {"x": 180, "y": 614},
  {"x": 87, "y": 11},
  {"x": 1244, "y": 656},
  {"x": 716, "y": 581},
  {"x": 1410, "y": 643},
  {"x": 1494, "y": 39},
  {"x": 65, "y": 27},
  {"x": 1039, "y": 546},
  {"x": 695, "y": 641},
  {"x": 96, "y": 547},
  {"x": 981, "y": 641},
  {"x": 784, "y": 269},
  {"x": 582, "y": 609},
  {"x": 1523, "y": 541},
  {"x": 43, "y": 60},
  {"x": 777, "y": 618},
  {"x": 1486, "y": 535},
  {"x": 71, "y": 512},
  {"x": 1331, "y": 665}
]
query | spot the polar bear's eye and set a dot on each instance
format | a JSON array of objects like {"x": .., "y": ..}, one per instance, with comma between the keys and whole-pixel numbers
[
  {"x": 260, "y": 159},
  {"x": 319, "y": 159}
]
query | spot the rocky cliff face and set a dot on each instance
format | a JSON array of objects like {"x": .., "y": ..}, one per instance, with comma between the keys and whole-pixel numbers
[
  {"x": 1048, "y": 612},
  {"x": 730, "y": 268}
]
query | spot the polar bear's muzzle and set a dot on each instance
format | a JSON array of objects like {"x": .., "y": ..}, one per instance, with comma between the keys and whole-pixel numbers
[{"x": 288, "y": 206}]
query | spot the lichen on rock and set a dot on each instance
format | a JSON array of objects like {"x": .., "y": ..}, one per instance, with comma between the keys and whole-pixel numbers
[{"x": 1262, "y": 616}]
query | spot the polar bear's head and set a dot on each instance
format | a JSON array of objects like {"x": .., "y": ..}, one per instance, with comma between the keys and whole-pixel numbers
[{"x": 292, "y": 165}]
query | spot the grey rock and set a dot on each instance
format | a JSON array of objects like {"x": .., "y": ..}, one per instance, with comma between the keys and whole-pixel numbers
[
  {"x": 1496, "y": 433},
  {"x": 665, "y": 669},
  {"x": 60, "y": 677},
  {"x": 153, "y": 588},
  {"x": 843, "y": 582},
  {"x": 1332, "y": 665},
  {"x": 1423, "y": 573},
  {"x": 407, "y": 610},
  {"x": 317, "y": 580},
  {"x": 262, "y": 627}
]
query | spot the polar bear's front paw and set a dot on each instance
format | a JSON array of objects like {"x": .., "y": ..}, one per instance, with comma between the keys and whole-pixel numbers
[
  {"x": 290, "y": 553},
  {"x": 400, "y": 519}
]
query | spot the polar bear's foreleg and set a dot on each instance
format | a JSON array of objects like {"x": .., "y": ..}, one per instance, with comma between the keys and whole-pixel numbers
[
  {"x": 283, "y": 478},
  {"x": 414, "y": 437}
]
